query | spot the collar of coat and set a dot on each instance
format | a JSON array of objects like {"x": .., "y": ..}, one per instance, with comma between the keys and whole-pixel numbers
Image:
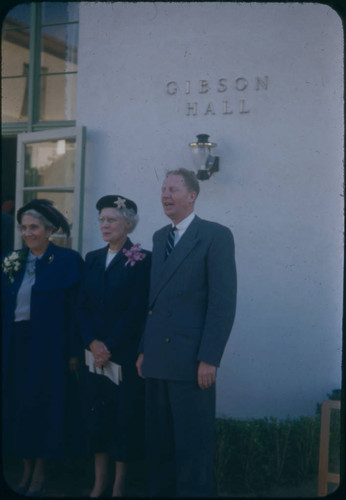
[{"x": 102, "y": 254}]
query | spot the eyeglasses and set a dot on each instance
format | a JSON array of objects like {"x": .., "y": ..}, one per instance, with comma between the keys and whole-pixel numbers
[{"x": 109, "y": 220}]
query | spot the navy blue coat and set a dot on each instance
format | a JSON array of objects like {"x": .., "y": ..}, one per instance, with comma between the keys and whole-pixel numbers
[
  {"x": 192, "y": 301},
  {"x": 112, "y": 302},
  {"x": 52, "y": 337}
]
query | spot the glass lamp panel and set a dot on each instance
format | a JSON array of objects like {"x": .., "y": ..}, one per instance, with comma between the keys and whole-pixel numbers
[
  {"x": 14, "y": 101},
  {"x": 58, "y": 97},
  {"x": 200, "y": 155},
  {"x": 59, "y": 48},
  {"x": 50, "y": 163}
]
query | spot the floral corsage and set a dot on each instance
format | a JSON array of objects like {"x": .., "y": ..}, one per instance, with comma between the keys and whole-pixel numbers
[
  {"x": 12, "y": 264},
  {"x": 133, "y": 254}
]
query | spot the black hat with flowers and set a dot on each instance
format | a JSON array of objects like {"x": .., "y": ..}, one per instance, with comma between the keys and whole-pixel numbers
[
  {"x": 46, "y": 208},
  {"x": 116, "y": 201}
]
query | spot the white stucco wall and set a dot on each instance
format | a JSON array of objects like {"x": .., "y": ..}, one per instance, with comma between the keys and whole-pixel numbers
[{"x": 280, "y": 183}]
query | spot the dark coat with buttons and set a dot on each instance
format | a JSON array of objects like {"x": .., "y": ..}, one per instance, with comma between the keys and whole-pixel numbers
[
  {"x": 112, "y": 304},
  {"x": 52, "y": 341},
  {"x": 53, "y": 297},
  {"x": 192, "y": 301},
  {"x": 112, "y": 307}
]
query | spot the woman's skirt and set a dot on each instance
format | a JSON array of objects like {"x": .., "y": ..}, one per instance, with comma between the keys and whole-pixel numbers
[
  {"x": 35, "y": 420},
  {"x": 114, "y": 414},
  {"x": 17, "y": 428}
]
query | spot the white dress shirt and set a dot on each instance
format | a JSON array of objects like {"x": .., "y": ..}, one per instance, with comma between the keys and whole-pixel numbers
[
  {"x": 110, "y": 256},
  {"x": 182, "y": 226}
]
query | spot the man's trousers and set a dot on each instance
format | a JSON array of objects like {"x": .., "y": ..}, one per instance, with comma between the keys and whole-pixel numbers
[{"x": 180, "y": 423}]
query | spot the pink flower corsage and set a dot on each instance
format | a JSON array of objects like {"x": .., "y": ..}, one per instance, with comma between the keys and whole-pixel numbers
[{"x": 133, "y": 255}]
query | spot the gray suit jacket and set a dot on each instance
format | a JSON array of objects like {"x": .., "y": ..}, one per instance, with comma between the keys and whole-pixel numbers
[{"x": 192, "y": 301}]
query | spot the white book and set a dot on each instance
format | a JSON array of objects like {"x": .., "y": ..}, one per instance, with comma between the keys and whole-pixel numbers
[{"x": 111, "y": 370}]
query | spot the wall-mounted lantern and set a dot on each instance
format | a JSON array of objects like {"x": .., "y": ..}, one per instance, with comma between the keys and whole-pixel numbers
[{"x": 206, "y": 163}]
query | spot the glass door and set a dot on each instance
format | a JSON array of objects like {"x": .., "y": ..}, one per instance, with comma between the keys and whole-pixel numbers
[{"x": 50, "y": 166}]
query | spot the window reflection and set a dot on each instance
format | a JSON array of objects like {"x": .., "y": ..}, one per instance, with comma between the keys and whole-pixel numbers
[
  {"x": 15, "y": 57},
  {"x": 19, "y": 15},
  {"x": 50, "y": 163},
  {"x": 15, "y": 51},
  {"x": 59, "y": 12},
  {"x": 59, "y": 48},
  {"x": 59, "y": 42},
  {"x": 14, "y": 100},
  {"x": 58, "y": 97},
  {"x": 54, "y": 84}
]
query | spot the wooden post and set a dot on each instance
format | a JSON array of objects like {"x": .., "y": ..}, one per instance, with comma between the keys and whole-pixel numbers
[{"x": 324, "y": 476}]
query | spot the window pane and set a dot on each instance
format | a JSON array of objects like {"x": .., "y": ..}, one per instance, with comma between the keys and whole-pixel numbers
[
  {"x": 64, "y": 203},
  {"x": 58, "y": 97},
  {"x": 50, "y": 163},
  {"x": 59, "y": 48},
  {"x": 15, "y": 38},
  {"x": 14, "y": 100},
  {"x": 59, "y": 12},
  {"x": 14, "y": 52},
  {"x": 19, "y": 16}
]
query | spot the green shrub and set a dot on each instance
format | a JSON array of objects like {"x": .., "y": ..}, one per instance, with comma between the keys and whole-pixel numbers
[{"x": 253, "y": 456}]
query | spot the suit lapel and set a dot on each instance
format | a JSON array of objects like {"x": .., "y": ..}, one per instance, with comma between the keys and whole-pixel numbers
[
  {"x": 158, "y": 257},
  {"x": 164, "y": 269}
]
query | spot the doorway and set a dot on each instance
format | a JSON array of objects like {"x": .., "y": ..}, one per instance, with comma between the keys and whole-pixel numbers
[
  {"x": 8, "y": 173},
  {"x": 8, "y": 192}
]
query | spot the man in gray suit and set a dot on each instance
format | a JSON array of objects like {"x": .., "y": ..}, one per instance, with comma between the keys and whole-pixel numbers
[{"x": 192, "y": 307}]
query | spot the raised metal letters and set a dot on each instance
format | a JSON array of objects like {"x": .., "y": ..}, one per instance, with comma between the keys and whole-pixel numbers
[
  {"x": 210, "y": 109},
  {"x": 191, "y": 107},
  {"x": 220, "y": 85},
  {"x": 171, "y": 88},
  {"x": 226, "y": 111},
  {"x": 241, "y": 83}
]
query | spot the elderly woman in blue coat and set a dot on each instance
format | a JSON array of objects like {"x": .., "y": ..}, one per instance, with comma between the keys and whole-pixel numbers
[
  {"x": 39, "y": 346},
  {"x": 111, "y": 313}
]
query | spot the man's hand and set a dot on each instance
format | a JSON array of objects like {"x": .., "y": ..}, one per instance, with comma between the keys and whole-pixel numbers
[
  {"x": 206, "y": 375},
  {"x": 100, "y": 352},
  {"x": 139, "y": 364}
]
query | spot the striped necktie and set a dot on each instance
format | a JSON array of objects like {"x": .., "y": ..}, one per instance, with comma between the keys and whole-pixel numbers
[{"x": 170, "y": 241}]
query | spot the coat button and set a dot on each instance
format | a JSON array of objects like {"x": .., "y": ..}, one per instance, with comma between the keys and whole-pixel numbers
[
  {"x": 167, "y": 339},
  {"x": 150, "y": 312}
]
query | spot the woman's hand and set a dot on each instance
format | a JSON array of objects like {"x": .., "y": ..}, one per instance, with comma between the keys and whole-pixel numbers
[
  {"x": 73, "y": 364},
  {"x": 100, "y": 352}
]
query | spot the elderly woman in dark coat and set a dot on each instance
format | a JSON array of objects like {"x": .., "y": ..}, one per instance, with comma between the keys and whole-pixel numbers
[
  {"x": 38, "y": 344},
  {"x": 111, "y": 313}
]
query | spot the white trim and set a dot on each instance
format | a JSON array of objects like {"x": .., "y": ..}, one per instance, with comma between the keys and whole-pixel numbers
[{"x": 77, "y": 133}]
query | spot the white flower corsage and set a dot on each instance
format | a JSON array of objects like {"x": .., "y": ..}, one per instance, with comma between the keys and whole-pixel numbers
[{"x": 12, "y": 264}]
